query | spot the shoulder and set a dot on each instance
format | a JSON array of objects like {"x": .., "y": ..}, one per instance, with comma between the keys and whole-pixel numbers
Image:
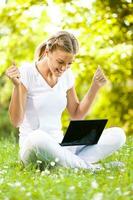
[
  {"x": 26, "y": 73},
  {"x": 26, "y": 67}
]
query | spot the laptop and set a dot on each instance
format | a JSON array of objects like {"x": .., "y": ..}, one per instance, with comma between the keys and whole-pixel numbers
[{"x": 83, "y": 132}]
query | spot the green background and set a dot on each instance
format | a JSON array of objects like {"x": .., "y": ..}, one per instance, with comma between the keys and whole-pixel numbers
[{"x": 104, "y": 30}]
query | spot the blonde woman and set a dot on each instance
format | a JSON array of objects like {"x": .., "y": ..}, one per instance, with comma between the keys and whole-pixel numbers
[{"x": 42, "y": 91}]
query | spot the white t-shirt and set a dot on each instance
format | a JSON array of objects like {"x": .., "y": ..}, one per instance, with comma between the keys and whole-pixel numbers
[{"x": 44, "y": 104}]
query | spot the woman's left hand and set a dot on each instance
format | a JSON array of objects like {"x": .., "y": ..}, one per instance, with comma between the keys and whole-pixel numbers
[{"x": 99, "y": 78}]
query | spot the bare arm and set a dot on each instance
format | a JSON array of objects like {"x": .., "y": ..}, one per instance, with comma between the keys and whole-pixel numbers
[
  {"x": 18, "y": 99},
  {"x": 17, "y": 105},
  {"x": 78, "y": 110}
]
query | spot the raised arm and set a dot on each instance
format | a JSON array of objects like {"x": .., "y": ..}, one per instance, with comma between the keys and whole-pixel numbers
[
  {"x": 78, "y": 110},
  {"x": 18, "y": 98}
]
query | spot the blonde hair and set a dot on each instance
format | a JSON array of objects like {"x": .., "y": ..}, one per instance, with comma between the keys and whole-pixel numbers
[{"x": 62, "y": 40}]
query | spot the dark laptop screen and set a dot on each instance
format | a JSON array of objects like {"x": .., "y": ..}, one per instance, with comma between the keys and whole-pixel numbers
[{"x": 84, "y": 132}]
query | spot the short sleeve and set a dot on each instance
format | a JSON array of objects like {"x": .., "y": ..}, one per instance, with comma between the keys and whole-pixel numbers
[
  {"x": 70, "y": 79},
  {"x": 24, "y": 75}
]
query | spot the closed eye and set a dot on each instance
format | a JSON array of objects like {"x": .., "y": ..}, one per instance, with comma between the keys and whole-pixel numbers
[{"x": 60, "y": 62}]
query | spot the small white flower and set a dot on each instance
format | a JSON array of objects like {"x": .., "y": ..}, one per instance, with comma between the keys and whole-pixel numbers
[
  {"x": 52, "y": 163},
  {"x": 16, "y": 184},
  {"x": 114, "y": 164},
  {"x": 76, "y": 170},
  {"x": 46, "y": 172},
  {"x": 37, "y": 171},
  {"x": 39, "y": 161},
  {"x": 56, "y": 159},
  {"x": 42, "y": 173},
  {"x": 72, "y": 187},
  {"x": 94, "y": 184},
  {"x": 98, "y": 196},
  {"x": 55, "y": 176}
]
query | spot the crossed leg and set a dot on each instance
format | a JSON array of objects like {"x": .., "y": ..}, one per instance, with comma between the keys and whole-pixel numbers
[
  {"x": 110, "y": 141},
  {"x": 41, "y": 146}
]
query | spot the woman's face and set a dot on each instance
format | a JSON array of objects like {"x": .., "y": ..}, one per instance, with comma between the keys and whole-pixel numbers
[{"x": 59, "y": 61}]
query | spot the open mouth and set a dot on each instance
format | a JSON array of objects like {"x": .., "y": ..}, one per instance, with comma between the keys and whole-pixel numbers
[{"x": 58, "y": 71}]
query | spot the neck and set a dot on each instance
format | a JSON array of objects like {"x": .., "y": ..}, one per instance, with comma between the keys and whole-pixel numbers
[{"x": 43, "y": 68}]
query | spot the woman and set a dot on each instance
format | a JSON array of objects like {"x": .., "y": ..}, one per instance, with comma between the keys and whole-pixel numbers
[{"x": 42, "y": 91}]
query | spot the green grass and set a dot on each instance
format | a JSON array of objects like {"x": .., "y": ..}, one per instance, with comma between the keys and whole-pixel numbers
[{"x": 58, "y": 183}]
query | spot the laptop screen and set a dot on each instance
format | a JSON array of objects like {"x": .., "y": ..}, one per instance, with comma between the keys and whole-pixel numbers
[{"x": 84, "y": 132}]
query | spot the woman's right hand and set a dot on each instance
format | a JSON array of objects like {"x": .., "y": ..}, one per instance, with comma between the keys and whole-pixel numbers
[{"x": 13, "y": 74}]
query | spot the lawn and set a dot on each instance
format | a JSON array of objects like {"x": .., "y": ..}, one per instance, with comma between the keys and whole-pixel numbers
[{"x": 58, "y": 183}]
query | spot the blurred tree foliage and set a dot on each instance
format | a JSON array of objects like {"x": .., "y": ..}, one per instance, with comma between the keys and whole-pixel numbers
[{"x": 104, "y": 31}]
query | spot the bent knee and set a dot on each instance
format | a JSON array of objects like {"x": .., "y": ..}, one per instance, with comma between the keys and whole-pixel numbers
[{"x": 121, "y": 136}]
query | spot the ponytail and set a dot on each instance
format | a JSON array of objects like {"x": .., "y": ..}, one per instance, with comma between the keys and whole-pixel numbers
[{"x": 40, "y": 51}]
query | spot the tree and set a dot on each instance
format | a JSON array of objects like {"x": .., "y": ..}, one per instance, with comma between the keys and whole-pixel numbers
[{"x": 105, "y": 37}]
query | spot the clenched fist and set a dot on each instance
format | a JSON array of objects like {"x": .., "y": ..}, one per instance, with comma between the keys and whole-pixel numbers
[
  {"x": 99, "y": 78},
  {"x": 13, "y": 74}
]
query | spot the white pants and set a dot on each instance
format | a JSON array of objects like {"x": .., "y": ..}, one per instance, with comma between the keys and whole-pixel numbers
[{"x": 41, "y": 146}]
